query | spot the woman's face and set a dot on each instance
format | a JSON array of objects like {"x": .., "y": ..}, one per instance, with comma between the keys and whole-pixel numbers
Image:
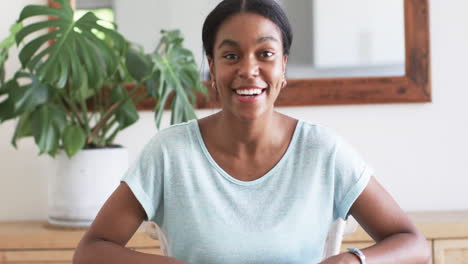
[{"x": 248, "y": 65}]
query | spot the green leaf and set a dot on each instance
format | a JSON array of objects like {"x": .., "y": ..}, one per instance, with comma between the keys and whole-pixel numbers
[
  {"x": 105, "y": 53},
  {"x": 74, "y": 139},
  {"x": 23, "y": 128},
  {"x": 158, "y": 77},
  {"x": 5, "y": 46},
  {"x": 9, "y": 41},
  {"x": 7, "y": 110},
  {"x": 117, "y": 40},
  {"x": 63, "y": 73},
  {"x": 178, "y": 74},
  {"x": 127, "y": 114},
  {"x": 2, "y": 74},
  {"x": 8, "y": 87},
  {"x": 90, "y": 64},
  {"x": 28, "y": 96},
  {"x": 45, "y": 133},
  {"x": 35, "y": 27},
  {"x": 159, "y": 109},
  {"x": 79, "y": 83},
  {"x": 138, "y": 64},
  {"x": 75, "y": 55},
  {"x": 58, "y": 118},
  {"x": 33, "y": 46},
  {"x": 151, "y": 87},
  {"x": 36, "y": 61},
  {"x": 38, "y": 10}
]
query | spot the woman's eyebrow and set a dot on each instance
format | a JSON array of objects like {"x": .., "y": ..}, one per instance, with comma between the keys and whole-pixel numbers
[
  {"x": 230, "y": 42},
  {"x": 266, "y": 38}
]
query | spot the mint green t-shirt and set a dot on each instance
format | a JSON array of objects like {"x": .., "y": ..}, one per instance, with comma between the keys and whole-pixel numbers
[{"x": 207, "y": 216}]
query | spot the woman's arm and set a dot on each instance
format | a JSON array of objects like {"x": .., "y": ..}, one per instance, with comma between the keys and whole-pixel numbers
[
  {"x": 115, "y": 224},
  {"x": 398, "y": 239}
]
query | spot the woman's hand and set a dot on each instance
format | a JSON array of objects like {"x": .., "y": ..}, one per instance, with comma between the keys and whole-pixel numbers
[{"x": 343, "y": 258}]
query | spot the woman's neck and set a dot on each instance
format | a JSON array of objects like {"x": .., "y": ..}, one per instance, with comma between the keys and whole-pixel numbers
[{"x": 248, "y": 137}]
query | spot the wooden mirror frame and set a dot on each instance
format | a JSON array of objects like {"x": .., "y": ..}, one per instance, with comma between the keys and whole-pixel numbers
[{"x": 413, "y": 87}]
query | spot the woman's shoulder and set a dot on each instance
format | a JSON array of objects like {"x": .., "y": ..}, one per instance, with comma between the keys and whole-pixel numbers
[
  {"x": 307, "y": 128},
  {"x": 177, "y": 129},
  {"x": 173, "y": 134},
  {"x": 317, "y": 130},
  {"x": 316, "y": 135}
]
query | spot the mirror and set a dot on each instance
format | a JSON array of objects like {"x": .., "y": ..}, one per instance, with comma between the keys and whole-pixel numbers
[
  {"x": 352, "y": 52},
  {"x": 327, "y": 45}
]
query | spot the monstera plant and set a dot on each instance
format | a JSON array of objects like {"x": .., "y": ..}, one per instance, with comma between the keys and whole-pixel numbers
[
  {"x": 77, "y": 88},
  {"x": 79, "y": 81}
]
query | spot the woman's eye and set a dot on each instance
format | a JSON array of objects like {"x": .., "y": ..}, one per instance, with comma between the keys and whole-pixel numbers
[
  {"x": 266, "y": 54},
  {"x": 231, "y": 56}
]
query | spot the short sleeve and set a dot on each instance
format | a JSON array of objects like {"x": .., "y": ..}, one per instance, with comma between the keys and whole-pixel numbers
[
  {"x": 144, "y": 177},
  {"x": 351, "y": 177}
]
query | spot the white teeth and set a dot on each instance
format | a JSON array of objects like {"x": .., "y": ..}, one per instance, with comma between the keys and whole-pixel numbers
[{"x": 249, "y": 91}]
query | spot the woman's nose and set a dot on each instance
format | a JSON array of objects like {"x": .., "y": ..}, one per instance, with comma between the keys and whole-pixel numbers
[{"x": 248, "y": 68}]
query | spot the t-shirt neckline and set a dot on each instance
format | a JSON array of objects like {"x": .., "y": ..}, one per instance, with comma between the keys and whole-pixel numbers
[{"x": 226, "y": 175}]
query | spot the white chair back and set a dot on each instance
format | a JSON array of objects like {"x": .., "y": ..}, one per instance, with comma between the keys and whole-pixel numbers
[{"x": 339, "y": 229}]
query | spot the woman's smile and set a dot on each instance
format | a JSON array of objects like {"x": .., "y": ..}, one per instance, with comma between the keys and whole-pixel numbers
[{"x": 248, "y": 95}]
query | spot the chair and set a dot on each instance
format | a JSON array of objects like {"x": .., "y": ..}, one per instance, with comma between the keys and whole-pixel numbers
[
  {"x": 339, "y": 229},
  {"x": 153, "y": 230}
]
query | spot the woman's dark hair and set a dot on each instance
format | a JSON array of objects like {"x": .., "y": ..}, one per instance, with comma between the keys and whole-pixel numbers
[{"x": 227, "y": 8}]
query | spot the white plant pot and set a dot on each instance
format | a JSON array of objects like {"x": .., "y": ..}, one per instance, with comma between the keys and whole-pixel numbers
[{"x": 83, "y": 183}]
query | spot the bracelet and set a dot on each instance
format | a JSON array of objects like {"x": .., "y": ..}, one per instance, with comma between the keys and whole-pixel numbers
[{"x": 358, "y": 253}]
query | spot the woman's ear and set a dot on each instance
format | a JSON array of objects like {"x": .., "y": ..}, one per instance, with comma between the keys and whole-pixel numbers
[
  {"x": 211, "y": 65},
  {"x": 213, "y": 77},
  {"x": 284, "y": 81},
  {"x": 285, "y": 62}
]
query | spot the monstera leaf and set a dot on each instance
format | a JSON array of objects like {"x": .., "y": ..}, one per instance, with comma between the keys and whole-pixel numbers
[
  {"x": 69, "y": 52},
  {"x": 177, "y": 74},
  {"x": 169, "y": 72},
  {"x": 5, "y": 46}
]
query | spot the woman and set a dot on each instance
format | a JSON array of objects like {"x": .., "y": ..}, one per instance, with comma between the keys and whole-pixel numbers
[{"x": 248, "y": 184}]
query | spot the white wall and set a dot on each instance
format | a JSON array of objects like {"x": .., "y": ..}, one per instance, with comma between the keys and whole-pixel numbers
[
  {"x": 141, "y": 21},
  {"x": 417, "y": 150}
]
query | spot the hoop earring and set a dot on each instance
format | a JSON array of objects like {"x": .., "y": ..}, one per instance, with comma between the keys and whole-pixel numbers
[
  {"x": 284, "y": 82},
  {"x": 213, "y": 85}
]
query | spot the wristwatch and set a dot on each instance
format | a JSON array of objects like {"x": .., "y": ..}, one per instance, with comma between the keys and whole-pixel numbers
[{"x": 358, "y": 253}]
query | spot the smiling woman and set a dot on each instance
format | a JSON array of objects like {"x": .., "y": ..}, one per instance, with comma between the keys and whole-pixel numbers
[{"x": 248, "y": 184}]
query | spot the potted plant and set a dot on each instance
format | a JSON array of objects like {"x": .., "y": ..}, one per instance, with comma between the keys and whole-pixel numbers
[{"x": 77, "y": 88}]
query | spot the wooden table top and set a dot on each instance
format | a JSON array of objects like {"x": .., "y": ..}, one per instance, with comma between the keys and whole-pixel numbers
[
  {"x": 434, "y": 225},
  {"x": 40, "y": 235}
]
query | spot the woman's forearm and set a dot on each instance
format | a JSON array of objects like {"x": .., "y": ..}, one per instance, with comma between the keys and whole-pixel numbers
[
  {"x": 102, "y": 252},
  {"x": 399, "y": 248}
]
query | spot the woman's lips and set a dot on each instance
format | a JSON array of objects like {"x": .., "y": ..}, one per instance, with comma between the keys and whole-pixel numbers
[{"x": 249, "y": 98}]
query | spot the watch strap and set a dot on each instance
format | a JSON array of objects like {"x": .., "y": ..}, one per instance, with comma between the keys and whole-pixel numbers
[{"x": 358, "y": 253}]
